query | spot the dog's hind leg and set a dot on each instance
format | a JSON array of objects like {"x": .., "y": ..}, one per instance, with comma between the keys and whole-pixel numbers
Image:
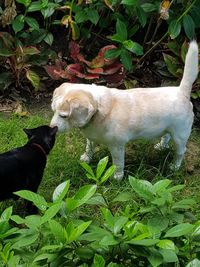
[
  {"x": 118, "y": 153},
  {"x": 89, "y": 151},
  {"x": 164, "y": 142}
]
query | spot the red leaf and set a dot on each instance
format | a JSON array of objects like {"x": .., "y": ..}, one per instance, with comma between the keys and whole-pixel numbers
[
  {"x": 76, "y": 70},
  {"x": 105, "y": 48},
  {"x": 91, "y": 76},
  {"x": 95, "y": 71},
  {"x": 108, "y": 70},
  {"x": 116, "y": 78},
  {"x": 82, "y": 59},
  {"x": 53, "y": 72},
  {"x": 97, "y": 62},
  {"x": 74, "y": 50}
]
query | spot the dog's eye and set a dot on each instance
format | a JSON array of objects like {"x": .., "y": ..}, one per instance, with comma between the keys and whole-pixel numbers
[{"x": 63, "y": 116}]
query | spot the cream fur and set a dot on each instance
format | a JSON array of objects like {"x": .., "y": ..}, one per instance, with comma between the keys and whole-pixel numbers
[{"x": 113, "y": 117}]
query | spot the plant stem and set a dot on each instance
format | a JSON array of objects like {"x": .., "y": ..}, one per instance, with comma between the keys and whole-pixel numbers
[{"x": 186, "y": 11}]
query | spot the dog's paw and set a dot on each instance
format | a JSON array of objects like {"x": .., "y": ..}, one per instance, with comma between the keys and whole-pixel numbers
[
  {"x": 85, "y": 158},
  {"x": 118, "y": 176},
  {"x": 174, "y": 167},
  {"x": 160, "y": 146}
]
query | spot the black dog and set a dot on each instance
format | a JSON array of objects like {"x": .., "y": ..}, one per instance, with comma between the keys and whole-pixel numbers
[{"x": 22, "y": 168}]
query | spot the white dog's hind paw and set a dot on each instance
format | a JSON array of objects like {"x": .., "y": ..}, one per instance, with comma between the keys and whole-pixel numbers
[
  {"x": 118, "y": 176},
  {"x": 174, "y": 167},
  {"x": 85, "y": 158}
]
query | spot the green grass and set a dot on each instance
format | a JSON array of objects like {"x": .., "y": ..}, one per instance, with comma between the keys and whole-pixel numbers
[{"x": 142, "y": 160}]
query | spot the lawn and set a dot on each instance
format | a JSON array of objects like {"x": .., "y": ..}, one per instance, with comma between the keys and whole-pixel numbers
[{"x": 142, "y": 161}]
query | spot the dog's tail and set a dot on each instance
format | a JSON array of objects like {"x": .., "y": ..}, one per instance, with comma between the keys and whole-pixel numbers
[{"x": 191, "y": 68}]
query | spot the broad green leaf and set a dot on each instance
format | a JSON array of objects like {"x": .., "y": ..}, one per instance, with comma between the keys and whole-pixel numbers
[
  {"x": 109, "y": 172},
  {"x": 166, "y": 244},
  {"x": 98, "y": 261},
  {"x": 161, "y": 185},
  {"x": 51, "y": 212},
  {"x": 33, "y": 77},
  {"x": 142, "y": 187},
  {"x": 71, "y": 204},
  {"x": 126, "y": 60},
  {"x": 179, "y": 230},
  {"x": 116, "y": 38},
  {"x": 141, "y": 15},
  {"x": 101, "y": 167},
  {"x": 155, "y": 258},
  {"x": 189, "y": 26},
  {"x": 184, "y": 204},
  {"x": 81, "y": 16},
  {"x": 43, "y": 256},
  {"x": 49, "y": 38},
  {"x": 35, "y": 6},
  {"x": 32, "y": 221},
  {"x": 193, "y": 263},
  {"x": 148, "y": 7},
  {"x": 93, "y": 15},
  {"x": 17, "y": 219},
  {"x": 168, "y": 255},
  {"x": 61, "y": 191},
  {"x": 85, "y": 193},
  {"x": 32, "y": 23},
  {"x": 97, "y": 199},
  {"x": 75, "y": 30},
  {"x": 133, "y": 47},
  {"x": 119, "y": 223},
  {"x": 121, "y": 30},
  {"x": 85, "y": 254},
  {"x": 87, "y": 167},
  {"x": 6, "y": 52},
  {"x": 37, "y": 200},
  {"x": 18, "y": 23},
  {"x": 176, "y": 188},
  {"x": 122, "y": 197},
  {"x": 30, "y": 50},
  {"x": 195, "y": 16},
  {"x": 172, "y": 64},
  {"x": 143, "y": 242},
  {"x": 158, "y": 223},
  {"x": 174, "y": 47},
  {"x": 81, "y": 228},
  {"x": 108, "y": 240},
  {"x": 24, "y": 2},
  {"x": 108, "y": 217},
  {"x": 95, "y": 233},
  {"x": 57, "y": 230},
  {"x": 6, "y": 214},
  {"x": 130, "y": 2},
  {"x": 25, "y": 241},
  {"x": 174, "y": 28},
  {"x": 112, "y": 53},
  {"x": 73, "y": 233}
]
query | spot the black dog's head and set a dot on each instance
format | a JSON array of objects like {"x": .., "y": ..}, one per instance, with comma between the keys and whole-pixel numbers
[{"x": 42, "y": 135}]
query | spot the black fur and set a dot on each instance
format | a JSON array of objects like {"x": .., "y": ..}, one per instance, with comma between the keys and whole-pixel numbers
[{"x": 22, "y": 168}]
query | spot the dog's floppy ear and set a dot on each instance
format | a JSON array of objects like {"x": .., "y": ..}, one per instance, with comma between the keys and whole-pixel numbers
[
  {"x": 53, "y": 130},
  {"x": 28, "y": 132},
  {"x": 81, "y": 110}
]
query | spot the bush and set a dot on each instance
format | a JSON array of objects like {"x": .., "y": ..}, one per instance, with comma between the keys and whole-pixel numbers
[{"x": 156, "y": 230}]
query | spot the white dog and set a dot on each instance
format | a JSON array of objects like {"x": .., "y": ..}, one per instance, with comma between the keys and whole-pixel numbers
[{"x": 113, "y": 117}]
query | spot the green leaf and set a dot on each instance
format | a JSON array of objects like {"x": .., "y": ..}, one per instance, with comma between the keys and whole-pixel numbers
[
  {"x": 18, "y": 23},
  {"x": 142, "y": 187},
  {"x": 30, "y": 50},
  {"x": 6, "y": 52},
  {"x": 166, "y": 244},
  {"x": 112, "y": 53},
  {"x": 184, "y": 204},
  {"x": 108, "y": 240},
  {"x": 93, "y": 15},
  {"x": 24, "y": 2},
  {"x": 6, "y": 214},
  {"x": 75, "y": 30},
  {"x": 74, "y": 233},
  {"x": 37, "y": 200},
  {"x": 109, "y": 172},
  {"x": 87, "y": 167},
  {"x": 116, "y": 38},
  {"x": 126, "y": 60},
  {"x": 158, "y": 223},
  {"x": 133, "y": 47},
  {"x": 97, "y": 199},
  {"x": 193, "y": 263},
  {"x": 119, "y": 223},
  {"x": 108, "y": 217},
  {"x": 35, "y": 6},
  {"x": 61, "y": 191},
  {"x": 57, "y": 230},
  {"x": 141, "y": 15},
  {"x": 161, "y": 185},
  {"x": 81, "y": 16},
  {"x": 189, "y": 26},
  {"x": 98, "y": 261},
  {"x": 172, "y": 64},
  {"x": 121, "y": 30},
  {"x": 26, "y": 241},
  {"x": 155, "y": 258},
  {"x": 174, "y": 28},
  {"x": 122, "y": 197},
  {"x": 32, "y": 23},
  {"x": 169, "y": 255},
  {"x": 176, "y": 188},
  {"x": 51, "y": 212},
  {"x": 130, "y": 2},
  {"x": 85, "y": 193},
  {"x": 33, "y": 78},
  {"x": 143, "y": 242},
  {"x": 101, "y": 167},
  {"x": 179, "y": 230},
  {"x": 49, "y": 38},
  {"x": 148, "y": 7}
]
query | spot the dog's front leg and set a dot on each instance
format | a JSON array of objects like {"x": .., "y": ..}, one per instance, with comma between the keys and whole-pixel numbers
[
  {"x": 89, "y": 151},
  {"x": 117, "y": 153}
]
